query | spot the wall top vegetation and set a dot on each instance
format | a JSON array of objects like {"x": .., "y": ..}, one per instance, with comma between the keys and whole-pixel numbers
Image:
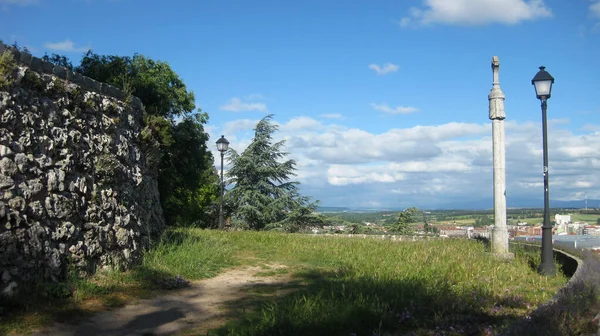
[{"x": 39, "y": 65}]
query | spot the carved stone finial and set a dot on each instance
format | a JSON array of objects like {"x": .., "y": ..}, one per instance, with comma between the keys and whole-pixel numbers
[
  {"x": 495, "y": 61},
  {"x": 496, "y": 96},
  {"x": 495, "y": 68}
]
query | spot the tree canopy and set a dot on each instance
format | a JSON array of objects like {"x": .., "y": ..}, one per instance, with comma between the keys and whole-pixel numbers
[
  {"x": 263, "y": 195},
  {"x": 405, "y": 218},
  {"x": 160, "y": 89}
]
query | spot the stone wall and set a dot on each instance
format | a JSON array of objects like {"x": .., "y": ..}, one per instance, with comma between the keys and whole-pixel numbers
[{"x": 76, "y": 187}]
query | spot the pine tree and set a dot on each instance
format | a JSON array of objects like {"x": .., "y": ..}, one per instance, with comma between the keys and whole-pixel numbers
[
  {"x": 405, "y": 218},
  {"x": 263, "y": 196}
]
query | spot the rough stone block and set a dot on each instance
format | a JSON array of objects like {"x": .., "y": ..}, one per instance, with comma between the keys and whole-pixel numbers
[
  {"x": 16, "y": 53},
  {"x": 36, "y": 65},
  {"x": 93, "y": 85},
  {"x": 47, "y": 67},
  {"x": 26, "y": 58},
  {"x": 112, "y": 91},
  {"x": 136, "y": 102},
  {"x": 78, "y": 79},
  {"x": 59, "y": 72},
  {"x": 68, "y": 74}
]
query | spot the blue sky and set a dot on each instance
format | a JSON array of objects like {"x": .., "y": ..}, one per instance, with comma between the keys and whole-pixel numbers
[{"x": 382, "y": 103}]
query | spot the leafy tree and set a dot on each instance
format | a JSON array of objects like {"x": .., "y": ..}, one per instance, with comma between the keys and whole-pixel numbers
[
  {"x": 426, "y": 226},
  {"x": 483, "y": 221},
  {"x": 598, "y": 221},
  {"x": 57, "y": 59},
  {"x": 154, "y": 82},
  {"x": 187, "y": 180},
  {"x": 405, "y": 218},
  {"x": 263, "y": 195}
]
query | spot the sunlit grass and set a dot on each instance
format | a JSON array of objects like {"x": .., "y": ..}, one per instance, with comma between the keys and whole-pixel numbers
[
  {"x": 364, "y": 286},
  {"x": 348, "y": 285}
]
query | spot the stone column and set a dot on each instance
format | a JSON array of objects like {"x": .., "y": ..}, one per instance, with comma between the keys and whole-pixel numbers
[{"x": 497, "y": 115}]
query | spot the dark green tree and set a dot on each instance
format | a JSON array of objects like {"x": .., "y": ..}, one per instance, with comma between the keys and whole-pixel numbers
[
  {"x": 161, "y": 90},
  {"x": 263, "y": 195},
  {"x": 57, "y": 59},
  {"x": 187, "y": 179},
  {"x": 405, "y": 218},
  {"x": 483, "y": 221}
]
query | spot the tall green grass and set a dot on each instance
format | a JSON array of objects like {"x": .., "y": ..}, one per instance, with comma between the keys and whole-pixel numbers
[
  {"x": 349, "y": 286},
  {"x": 191, "y": 253},
  {"x": 368, "y": 286}
]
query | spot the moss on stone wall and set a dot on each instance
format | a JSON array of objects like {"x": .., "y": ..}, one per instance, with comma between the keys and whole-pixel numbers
[{"x": 7, "y": 68}]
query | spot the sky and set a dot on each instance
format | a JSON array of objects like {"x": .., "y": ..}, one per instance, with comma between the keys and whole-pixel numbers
[{"x": 382, "y": 103}]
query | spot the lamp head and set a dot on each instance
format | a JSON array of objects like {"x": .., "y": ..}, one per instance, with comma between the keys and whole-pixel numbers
[
  {"x": 543, "y": 84},
  {"x": 222, "y": 144}
]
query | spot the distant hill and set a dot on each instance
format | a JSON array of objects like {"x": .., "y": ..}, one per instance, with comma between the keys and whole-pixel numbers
[
  {"x": 332, "y": 209},
  {"x": 481, "y": 204}
]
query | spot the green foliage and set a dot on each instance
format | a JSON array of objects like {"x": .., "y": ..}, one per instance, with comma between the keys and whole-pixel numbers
[
  {"x": 483, "y": 221},
  {"x": 191, "y": 253},
  {"x": 161, "y": 90},
  {"x": 301, "y": 218},
  {"x": 263, "y": 195},
  {"x": 60, "y": 60},
  {"x": 59, "y": 86},
  {"x": 428, "y": 228},
  {"x": 33, "y": 80},
  {"x": 188, "y": 183},
  {"x": 7, "y": 66},
  {"x": 405, "y": 218}
]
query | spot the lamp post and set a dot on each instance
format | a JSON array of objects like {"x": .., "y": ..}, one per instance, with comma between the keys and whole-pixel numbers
[
  {"x": 222, "y": 146},
  {"x": 543, "y": 87}
]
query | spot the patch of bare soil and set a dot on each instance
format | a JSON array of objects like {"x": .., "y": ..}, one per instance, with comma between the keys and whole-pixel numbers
[{"x": 205, "y": 305}]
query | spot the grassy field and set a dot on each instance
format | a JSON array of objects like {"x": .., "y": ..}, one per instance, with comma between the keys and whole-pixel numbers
[
  {"x": 358, "y": 286},
  {"x": 589, "y": 218},
  {"x": 529, "y": 221}
]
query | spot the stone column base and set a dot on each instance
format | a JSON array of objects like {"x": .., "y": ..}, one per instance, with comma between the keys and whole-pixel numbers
[{"x": 504, "y": 256}]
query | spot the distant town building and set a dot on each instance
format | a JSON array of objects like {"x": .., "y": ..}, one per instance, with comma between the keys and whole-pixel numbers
[{"x": 562, "y": 219}]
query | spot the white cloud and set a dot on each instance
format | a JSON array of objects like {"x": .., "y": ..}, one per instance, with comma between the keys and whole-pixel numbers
[
  {"x": 476, "y": 12},
  {"x": 590, "y": 127},
  {"x": 237, "y": 105},
  {"x": 236, "y": 126},
  {"x": 394, "y": 110},
  {"x": 65, "y": 46},
  {"x": 332, "y": 116},
  {"x": 429, "y": 165},
  {"x": 300, "y": 123},
  {"x": 595, "y": 9},
  {"x": 384, "y": 69}
]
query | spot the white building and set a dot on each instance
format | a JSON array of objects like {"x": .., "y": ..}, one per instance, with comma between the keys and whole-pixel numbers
[{"x": 562, "y": 219}]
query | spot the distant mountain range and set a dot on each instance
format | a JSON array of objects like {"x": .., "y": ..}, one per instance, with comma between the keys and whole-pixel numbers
[{"x": 483, "y": 204}]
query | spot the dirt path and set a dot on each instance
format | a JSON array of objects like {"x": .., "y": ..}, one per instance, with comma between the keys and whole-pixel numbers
[{"x": 205, "y": 305}]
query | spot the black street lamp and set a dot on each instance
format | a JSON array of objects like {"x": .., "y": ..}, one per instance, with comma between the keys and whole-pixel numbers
[
  {"x": 222, "y": 146},
  {"x": 543, "y": 87}
]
